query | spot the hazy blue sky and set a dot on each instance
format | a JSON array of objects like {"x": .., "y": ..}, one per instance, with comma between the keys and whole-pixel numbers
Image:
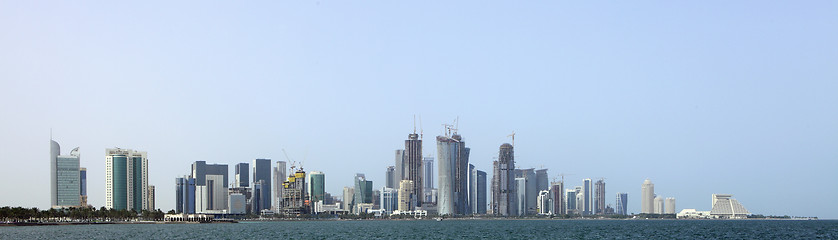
[{"x": 701, "y": 97}]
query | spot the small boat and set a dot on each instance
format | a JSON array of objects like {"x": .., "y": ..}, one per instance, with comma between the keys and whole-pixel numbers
[{"x": 439, "y": 219}]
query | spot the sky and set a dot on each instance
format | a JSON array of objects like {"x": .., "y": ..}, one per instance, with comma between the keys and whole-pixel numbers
[{"x": 700, "y": 97}]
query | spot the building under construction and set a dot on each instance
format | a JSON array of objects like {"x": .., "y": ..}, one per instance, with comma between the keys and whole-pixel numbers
[
  {"x": 294, "y": 195},
  {"x": 504, "y": 201}
]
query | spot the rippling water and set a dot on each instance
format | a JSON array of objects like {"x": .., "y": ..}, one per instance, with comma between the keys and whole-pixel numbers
[{"x": 448, "y": 229}]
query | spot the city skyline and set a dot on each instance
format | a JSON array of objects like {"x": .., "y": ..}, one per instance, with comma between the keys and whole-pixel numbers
[{"x": 691, "y": 95}]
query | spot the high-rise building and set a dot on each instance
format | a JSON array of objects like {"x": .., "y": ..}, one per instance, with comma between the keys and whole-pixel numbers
[
  {"x": 242, "y": 175},
  {"x": 405, "y": 195},
  {"x": 262, "y": 172},
  {"x": 65, "y": 185},
  {"x": 477, "y": 191},
  {"x": 580, "y": 200},
  {"x": 504, "y": 194},
  {"x": 588, "y": 200},
  {"x": 647, "y": 197},
  {"x": 363, "y": 189},
  {"x": 670, "y": 205},
  {"x": 257, "y": 197},
  {"x": 599, "y": 197},
  {"x": 389, "y": 200},
  {"x": 543, "y": 202},
  {"x": 542, "y": 181},
  {"x": 279, "y": 177},
  {"x": 185, "y": 195},
  {"x": 557, "y": 194},
  {"x": 522, "y": 195},
  {"x": 348, "y": 198},
  {"x": 151, "y": 206},
  {"x": 413, "y": 158},
  {"x": 318, "y": 186},
  {"x": 453, "y": 175},
  {"x": 390, "y": 177},
  {"x": 622, "y": 203},
  {"x": 401, "y": 166},
  {"x": 210, "y": 186},
  {"x": 294, "y": 193},
  {"x": 659, "y": 205},
  {"x": 83, "y": 186},
  {"x": 428, "y": 172},
  {"x": 570, "y": 195},
  {"x": 530, "y": 190},
  {"x": 237, "y": 203},
  {"x": 126, "y": 179}
]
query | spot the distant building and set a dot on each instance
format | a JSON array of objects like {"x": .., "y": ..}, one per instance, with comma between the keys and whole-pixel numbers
[
  {"x": 242, "y": 175},
  {"x": 504, "y": 194},
  {"x": 151, "y": 206},
  {"x": 348, "y": 198},
  {"x": 257, "y": 197},
  {"x": 262, "y": 172},
  {"x": 570, "y": 207},
  {"x": 599, "y": 197},
  {"x": 477, "y": 190},
  {"x": 389, "y": 197},
  {"x": 185, "y": 195},
  {"x": 210, "y": 186},
  {"x": 622, "y": 203},
  {"x": 83, "y": 186},
  {"x": 126, "y": 179},
  {"x": 453, "y": 175},
  {"x": 317, "y": 185},
  {"x": 587, "y": 193},
  {"x": 428, "y": 181},
  {"x": 543, "y": 206},
  {"x": 530, "y": 190},
  {"x": 693, "y": 214},
  {"x": 390, "y": 177},
  {"x": 726, "y": 207},
  {"x": 557, "y": 196},
  {"x": 280, "y": 175},
  {"x": 659, "y": 205},
  {"x": 405, "y": 194},
  {"x": 65, "y": 178},
  {"x": 647, "y": 197},
  {"x": 413, "y": 158},
  {"x": 294, "y": 194},
  {"x": 363, "y": 189},
  {"x": 542, "y": 181},
  {"x": 400, "y": 166},
  {"x": 521, "y": 183},
  {"x": 670, "y": 206},
  {"x": 237, "y": 203}
]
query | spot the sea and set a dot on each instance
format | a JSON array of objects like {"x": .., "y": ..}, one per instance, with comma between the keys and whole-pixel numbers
[{"x": 446, "y": 229}]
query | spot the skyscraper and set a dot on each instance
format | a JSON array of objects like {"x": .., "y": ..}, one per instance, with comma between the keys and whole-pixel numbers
[
  {"x": 587, "y": 196},
  {"x": 521, "y": 183},
  {"x": 530, "y": 189},
  {"x": 318, "y": 186},
  {"x": 543, "y": 202},
  {"x": 279, "y": 177},
  {"x": 348, "y": 198},
  {"x": 428, "y": 180},
  {"x": 504, "y": 195},
  {"x": 151, "y": 206},
  {"x": 477, "y": 191},
  {"x": 262, "y": 172},
  {"x": 390, "y": 177},
  {"x": 599, "y": 197},
  {"x": 659, "y": 205},
  {"x": 622, "y": 203},
  {"x": 83, "y": 186},
  {"x": 557, "y": 194},
  {"x": 389, "y": 200},
  {"x": 542, "y": 181},
  {"x": 126, "y": 179},
  {"x": 294, "y": 193},
  {"x": 185, "y": 195},
  {"x": 647, "y": 197},
  {"x": 453, "y": 175},
  {"x": 210, "y": 186},
  {"x": 65, "y": 178},
  {"x": 242, "y": 175},
  {"x": 363, "y": 189},
  {"x": 413, "y": 158},
  {"x": 405, "y": 195},
  {"x": 570, "y": 196},
  {"x": 401, "y": 166},
  {"x": 670, "y": 205}
]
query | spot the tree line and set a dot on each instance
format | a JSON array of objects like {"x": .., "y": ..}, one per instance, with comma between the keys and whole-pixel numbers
[{"x": 19, "y": 214}]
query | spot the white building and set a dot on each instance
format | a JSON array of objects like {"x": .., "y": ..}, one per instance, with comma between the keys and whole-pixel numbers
[
  {"x": 726, "y": 207},
  {"x": 693, "y": 214},
  {"x": 670, "y": 205},
  {"x": 647, "y": 197},
  {"x": 658, "y": 205},
  {"x": 543, "y": 202}
]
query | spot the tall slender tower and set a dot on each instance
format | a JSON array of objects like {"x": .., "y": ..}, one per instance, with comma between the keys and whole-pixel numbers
[
  {"x": 279, "y": 177},
  {"x": 504, "y": 194},
  {"x": 126, "y": 179},
  {"x": 599, "y": 197},
  {"x": 262, "y": 172},
  {"x": 453, "y": 174},
  {"x": 413, "y": 158},
  {"x": 647, "y": 197}
]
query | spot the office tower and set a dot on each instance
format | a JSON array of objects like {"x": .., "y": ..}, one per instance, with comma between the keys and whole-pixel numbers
[
  {"x": 405, "y": 195},
  {"x": 504, "y": 194},
  {"x": 389, "y": 200},
  {"x": 543, "y": 202},
  {"x": 65, "y": 185},
  {"x": 599, "y": 197},
  {"x": 376, "y": 199},
  {"x": 530, "y": 190},
  {"x": 522, "y": 195},
  {"x": 622, "y": 203},
  {"x": 185, "y": 195},
  {"x": 428, "y": 172},
  {"x": 262, "y": 172},
  {"x": 557, "y": 194},
  {"x": 279, "y": 177},
  {"x": 400, "y": 167},
  {"x": 151, "y": 198},
  {"x": 294, "y": 193},
  {"x": 472, "y": 190},
  {"x": 453, "y": 174},
  {"x": 242, "y": 175},
  {"x": 348, "y": 198},
  {"x": 570, "y": 196},
  {"x": 647, "y": 197},
  {"x": 477, "y": 191},
  {"x": 542, "y": 181},
  {"x": 257, "y": 199},
  {"x": 318, "y": 186},
  {"x": 210, "y": 186},
  {"x": 390, "y": 177},
  {"x": 670, "y": 206},
  {"x": 658, "y": 205},
  {"x": 413, "y": 172},
  {"x": 363, "y": 189},
  {"x": 126, "y": 179},
  {"x": 83, "y": 186},
  {"x": 587, "y": 191},
  {"x": 237, "y": 203},
  {"x": 580, "y": 201}
]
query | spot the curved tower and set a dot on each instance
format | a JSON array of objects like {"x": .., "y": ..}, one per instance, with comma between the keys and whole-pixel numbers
[
  {"x": 647, "y": 197},
  {"x": 54, "y": 151}
]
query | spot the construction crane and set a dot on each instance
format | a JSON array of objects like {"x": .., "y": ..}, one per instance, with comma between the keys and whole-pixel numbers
[
  {"x": 513, "y": 138},
  {"x": 289, "y": 160},
  {"x": 562, "y": 175}
]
